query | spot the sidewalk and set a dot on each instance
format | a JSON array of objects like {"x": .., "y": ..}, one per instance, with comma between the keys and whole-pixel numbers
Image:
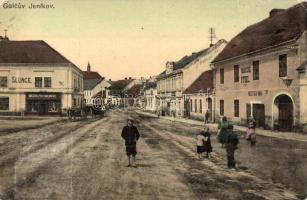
[{"x": 266, "y": 133}]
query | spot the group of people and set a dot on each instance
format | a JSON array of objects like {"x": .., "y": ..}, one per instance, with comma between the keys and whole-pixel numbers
[{"x": 226, "y": 136}]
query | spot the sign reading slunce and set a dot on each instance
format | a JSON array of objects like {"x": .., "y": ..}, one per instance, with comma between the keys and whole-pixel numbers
[{"x": 21, "y": 79}]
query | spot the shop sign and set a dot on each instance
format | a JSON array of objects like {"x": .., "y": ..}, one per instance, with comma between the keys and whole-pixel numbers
[
  {"x": 257, "y": 93},
  {"x": 48, "y": 96},
  {"x": 21, "y": 79}
]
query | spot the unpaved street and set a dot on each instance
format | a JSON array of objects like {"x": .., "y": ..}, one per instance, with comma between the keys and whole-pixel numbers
[{"x": 86, "y": 160}]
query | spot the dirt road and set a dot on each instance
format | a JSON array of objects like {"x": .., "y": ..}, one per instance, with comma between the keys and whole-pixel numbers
[{"x": 86, "y": 160}]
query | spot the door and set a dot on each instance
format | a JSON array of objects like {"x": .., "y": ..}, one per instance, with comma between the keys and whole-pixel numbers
[
  {"x": 285, "y": 112},
  {"x": 259, "y": 114}
]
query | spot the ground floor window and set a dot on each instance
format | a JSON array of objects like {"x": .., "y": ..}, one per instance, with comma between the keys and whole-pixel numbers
[
  {"x": 221, "y": 107},
  {"x": 236, "y": 108},
  {"x": 44, "y": 107},
  {"x": 4, "y": 103},
  {"x": 200, "y": 106}
]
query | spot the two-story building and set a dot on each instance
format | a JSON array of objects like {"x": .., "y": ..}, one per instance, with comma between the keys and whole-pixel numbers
[
  {"x": 180, "y": 75},
  {"x": 150, "y": 95},
  {"x": 256, "y": 73},
  {"x": 36, "y": 79}
]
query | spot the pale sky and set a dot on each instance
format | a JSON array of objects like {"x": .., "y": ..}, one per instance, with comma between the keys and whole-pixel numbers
[{"x": 132, "y": 38}]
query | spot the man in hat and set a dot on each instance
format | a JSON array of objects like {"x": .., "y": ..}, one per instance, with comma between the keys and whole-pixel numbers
[
  {"x": 131, "y": 135},
  {"x": 232, "y": 142}
]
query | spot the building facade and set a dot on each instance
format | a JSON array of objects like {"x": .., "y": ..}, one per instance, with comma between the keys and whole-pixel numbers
[
  {"x": 150, "y": 94},
  {"x": 36, "y": 79},
  {"x": 179, "y": 75},
  {"x": 260, "y": 79}
]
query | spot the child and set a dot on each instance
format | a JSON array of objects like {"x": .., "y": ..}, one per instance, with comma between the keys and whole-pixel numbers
[
  {"x": 200, "y": 140},
  {"x": 207, "y": 143}
]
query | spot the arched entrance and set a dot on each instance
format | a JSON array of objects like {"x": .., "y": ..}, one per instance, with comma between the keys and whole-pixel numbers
[{"x": 284, "y": 114}]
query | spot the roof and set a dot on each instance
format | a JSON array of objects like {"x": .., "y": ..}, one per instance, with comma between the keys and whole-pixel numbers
[
  {"x": 38, "y": 52},
  {"x": 282, "y": 26},
  {"x": 89, "y": 84},
  {"x": 120, "y": 84},
  {"x": 204, "y": 81},
  {"x": 91, "y": 75},
  {"x": 134, "y": 90},
  {"x": 302, "y": 67},
  {"x": 177, "y": 66},
  {"x": 150, "y": 84}
]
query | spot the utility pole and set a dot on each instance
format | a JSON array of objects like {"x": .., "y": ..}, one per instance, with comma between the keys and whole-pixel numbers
[{"x": 211, "y": 35}]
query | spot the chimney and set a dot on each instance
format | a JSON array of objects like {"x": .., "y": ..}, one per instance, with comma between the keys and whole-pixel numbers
[
  {"x": 110, "y": 79},
  {"x": 275, "y": 11},
  {"x": 88, "y": 66},
  {"x": 211, "y": 45},
  {"x": 129, "y": 78},
  {"x": 125, "y": 78}
]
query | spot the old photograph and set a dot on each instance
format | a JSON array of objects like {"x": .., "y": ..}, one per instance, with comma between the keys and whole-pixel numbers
[{"x": 153, "y": 100}]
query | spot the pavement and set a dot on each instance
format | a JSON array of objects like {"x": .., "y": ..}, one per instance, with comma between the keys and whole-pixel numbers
[
  {"x": 74, "y": 160},
  {"x": 267, "y": 133}
]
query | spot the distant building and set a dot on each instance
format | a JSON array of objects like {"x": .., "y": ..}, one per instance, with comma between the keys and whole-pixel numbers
[
  {"x": 150, "y": 95},
  {"x": 200, "y": 97},
  {"x": 179, "y": 75},
  {"x": 117, "y": 91},
  {"x": 36, "y": 79},
  {"x": 256, "y": 73}
]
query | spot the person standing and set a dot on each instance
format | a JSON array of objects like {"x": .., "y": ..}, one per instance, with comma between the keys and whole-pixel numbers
[
  {"x": 251, "y": 131},
  {"x": 131, "y": 135},
  {"x": 232, "y": 142},
  {"x": 200, "y": 140},
  {"x": 207, "y": 143},
  {"x": 223, "y": 127}
]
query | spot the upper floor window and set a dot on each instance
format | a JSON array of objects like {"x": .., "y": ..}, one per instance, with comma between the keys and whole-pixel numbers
[
  {"x": 222, "y": 75},
  {"x": 283, "y": 65},
  {"x": 47, "y": 82},
  {"x": 4, "y": 103},
  {"x": 221, "y": 107},
  {"x": 256, "y": 70},
  {"x": 236, "y": 108},
  {"x": 38, "y": 82},
  {"x": 3, "y": 81},
  {"x": 236, "y": 73}
]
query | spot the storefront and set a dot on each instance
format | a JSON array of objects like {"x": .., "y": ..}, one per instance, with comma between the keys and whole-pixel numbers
[{"x": 43, "y": 103}]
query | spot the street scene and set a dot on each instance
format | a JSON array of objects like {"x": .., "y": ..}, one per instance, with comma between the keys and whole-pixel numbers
[
  {"x": 156, "y": 99},
  {"x": 86, "y": 160}
]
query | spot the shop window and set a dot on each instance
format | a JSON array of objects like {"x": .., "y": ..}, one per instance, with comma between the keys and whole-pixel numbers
[
  {"x": 38, "y": 82},
  {"x": 283, "y": 65},
  {"x": 200, "y": 106},
  {"x": 236, "y": 71},
  {"x": 47, "y": 82},
  {"x": 222, "y": 76},
  {"x": 3, "y": 81},
  {"x": 4, "y": 103},
  {"x": 236, "y": 108},
  {"x": 256, "y": 70},
  {"x": 221, "y": 107}
]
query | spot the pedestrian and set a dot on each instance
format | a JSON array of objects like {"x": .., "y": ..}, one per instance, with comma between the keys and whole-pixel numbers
[
  {"x": 223, "y": 127},
  {"x": 251, "y": 131},
  {"x": 232, "y": 142},
  {"x": 207, "y": 143},
  {"x": 200, "y": 140},
  {"x": 131, "y": 135},
  {"x": 207, "y": 115}
]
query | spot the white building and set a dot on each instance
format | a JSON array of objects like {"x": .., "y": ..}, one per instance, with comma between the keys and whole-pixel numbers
[
  {"x": 150, "y": 93},
  {"x": 36, "y": 79}
]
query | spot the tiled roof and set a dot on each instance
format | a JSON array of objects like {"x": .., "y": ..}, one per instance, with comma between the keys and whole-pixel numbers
[
  {"x": 204, "y": 81},
  {"x": 282, "y": 26},
  {"x": 120, "y": 84},
  {"x": 303, "y": 66},
  {"x": 91, "y": 75},
  {"x": 89, "y": 84},
  {"x": 150, "y": 84},
  {"x": 134, "y": 90},
  {"x": 30, "y": 52}
]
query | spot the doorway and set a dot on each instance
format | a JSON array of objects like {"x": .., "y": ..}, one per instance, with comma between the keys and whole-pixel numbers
[{"x": 284, "y": 106}]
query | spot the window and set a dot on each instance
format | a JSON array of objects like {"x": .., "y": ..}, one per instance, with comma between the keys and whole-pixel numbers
[
  {"x": 236, "y": 108},
  {"x": 195, "y": 101},
  {"x": 200, "y": 106},
  {"x": 3, "y": 81},
  {"x": 221, "y": 107},
  {"x": 236, "y": 73},
  {"x": 222, "y": 76},
  {"x": 191, "y": 105},
  {"x": 38, "y": 82},
  {"x": 283, "y": 65},
  {"x": 47, "y": 82},
  {"x": 4, "y": 103},
  {"x": 244, "y": 79},
  {"x": 256, "y": 70}
]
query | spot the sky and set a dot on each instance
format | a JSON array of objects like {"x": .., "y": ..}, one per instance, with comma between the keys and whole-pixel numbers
[{"x": 132, "y": 38}]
